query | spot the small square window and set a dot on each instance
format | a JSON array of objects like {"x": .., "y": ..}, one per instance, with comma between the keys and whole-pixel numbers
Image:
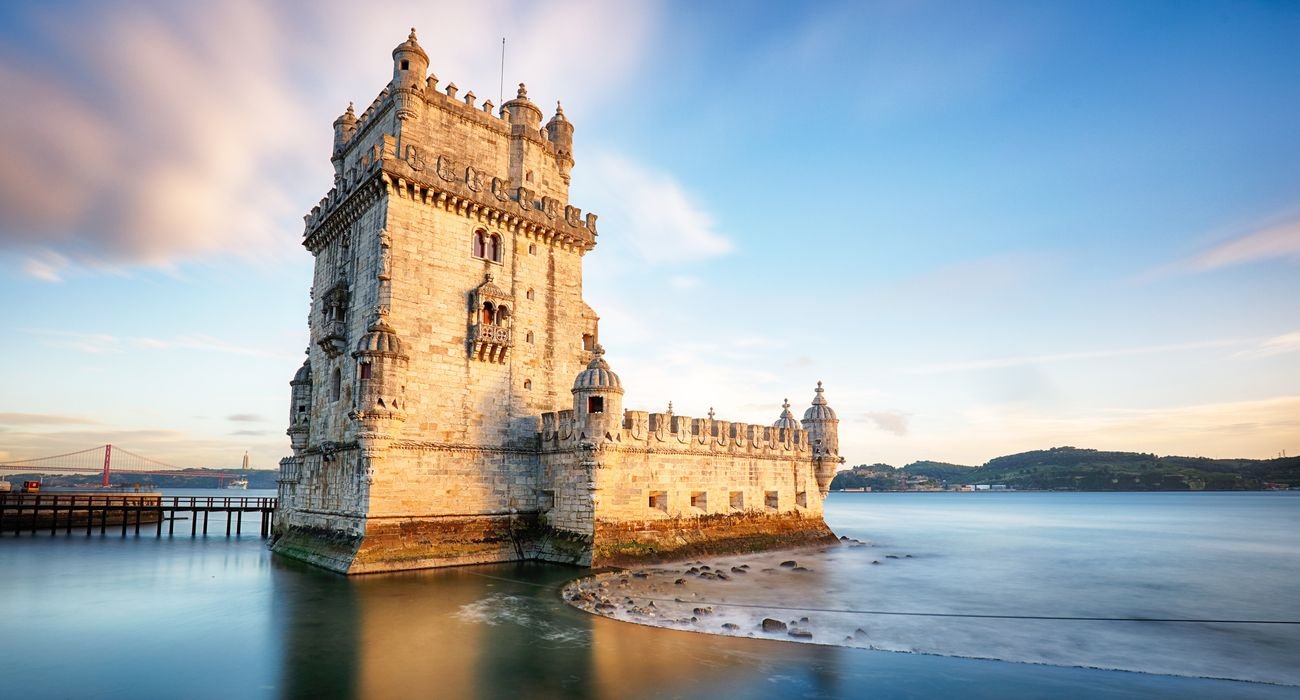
[
  {"x": 595, "y": 404},
  {"x": 801, "y": 499},
  {"x": 737, "y": 500},
  {"x": 700, "y": 500},
  {"x": 532, "y": 249},
  {"x": 548, "y": 500},
  {"x": 406, "y": 65},
  {"x": 659, "y": 500},
  {"x": 771, "y": 500}
]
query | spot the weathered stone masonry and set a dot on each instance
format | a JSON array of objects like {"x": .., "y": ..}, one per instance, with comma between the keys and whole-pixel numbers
[{"x": 455, "y": 406}]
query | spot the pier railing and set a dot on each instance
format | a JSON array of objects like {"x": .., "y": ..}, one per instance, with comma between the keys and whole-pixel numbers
[{"x": 40, "y": 512}]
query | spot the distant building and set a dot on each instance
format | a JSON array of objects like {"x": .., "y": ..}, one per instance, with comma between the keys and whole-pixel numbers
[{"x": 456, "y": 407}]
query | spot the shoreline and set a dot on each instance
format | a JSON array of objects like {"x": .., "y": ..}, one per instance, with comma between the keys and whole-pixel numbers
[{"x": 669, "y": 596}]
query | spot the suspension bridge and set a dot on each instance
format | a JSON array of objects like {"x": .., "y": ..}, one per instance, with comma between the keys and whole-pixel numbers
[{"x": 108, "y": 460}]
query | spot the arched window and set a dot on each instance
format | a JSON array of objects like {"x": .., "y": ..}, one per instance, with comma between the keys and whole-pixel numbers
[
  {"x": 489, "y": 313},
  {"x": 529, "y": 295},
  {"x": 336, "y": 385},
  {"x": 503, "y": 315},
  {"x": 528, "y": 384},
  {"x": 479, "y": 245},
  {"x": 494, "y": 248}
]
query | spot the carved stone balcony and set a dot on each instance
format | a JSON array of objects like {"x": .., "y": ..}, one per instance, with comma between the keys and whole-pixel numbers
[
  {"x": 489, "y": 343},
  {"x": 332, "y": 337}
]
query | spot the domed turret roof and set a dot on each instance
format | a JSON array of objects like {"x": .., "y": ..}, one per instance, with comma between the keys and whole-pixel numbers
[
  {"x": 380, "y": 339},
  {"x": 819, "y": 411},
  {"x": 598, "y": 376},
  {"x": 410, "y": 45},
  {"x": 303, "y": 375},
  {"x": 787, "y": 419}
]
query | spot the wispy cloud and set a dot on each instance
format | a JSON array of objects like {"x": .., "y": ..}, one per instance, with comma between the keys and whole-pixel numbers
[
  {"x": 1277, "y": 345},
  {"x": 655, "y": 214},
  {"x": 171, "y": 142},
  {"x": 43, "y": 419},
  {"x": 895, "y": 422},
  {"x": 101, "y": 343},
  {"x": 1020, "y": 360},
  {"x": 245, "y": 418},
  {"x": 1280, "y": 241}
]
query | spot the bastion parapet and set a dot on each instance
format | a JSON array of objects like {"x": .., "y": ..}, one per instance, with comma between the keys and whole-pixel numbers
[{"x": 455, "y": 405}]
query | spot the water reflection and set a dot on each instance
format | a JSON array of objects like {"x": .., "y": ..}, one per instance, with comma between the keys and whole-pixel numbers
[{"x": 502, "y": 631}]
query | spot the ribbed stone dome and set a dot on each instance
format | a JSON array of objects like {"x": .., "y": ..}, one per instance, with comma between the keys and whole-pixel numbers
[
  {"x": 598, "y": 376},
  {"x": 819, "y": 411},
  {"x": 380, "y": 339},
  {"x": 410, "y": 45},
  {"x": 303, "y": 375},
  {"x": 787, "y": 419}
]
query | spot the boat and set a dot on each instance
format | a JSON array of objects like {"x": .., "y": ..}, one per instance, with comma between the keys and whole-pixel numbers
[{"x": 238, "y": 484}]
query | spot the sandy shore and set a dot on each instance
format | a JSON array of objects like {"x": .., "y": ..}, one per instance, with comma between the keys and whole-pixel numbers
[{"x": 769, "y": 595}]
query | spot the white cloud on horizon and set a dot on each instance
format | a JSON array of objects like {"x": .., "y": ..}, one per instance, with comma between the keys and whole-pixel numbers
[{"x": 103, "y": 343}]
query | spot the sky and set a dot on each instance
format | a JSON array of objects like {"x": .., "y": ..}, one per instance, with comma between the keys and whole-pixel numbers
[{"x": 987, "y": 227}]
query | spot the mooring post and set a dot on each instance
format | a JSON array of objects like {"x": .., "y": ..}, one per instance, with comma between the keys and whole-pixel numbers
[
  {"x": 35, "y": 511},
  {"x": 103, "y": 520},
  {"x": 228, "y": 519},
  {"x": 194, "y": 522},
  {"x": 139, "y": 513},
  {"x": 205, "y": 522},
  {"x": 171, "y": 524},
  {"x": 239, "y": 522},
  {"x": 122, "y": 509},
  {"x": 68, "y": 523}
]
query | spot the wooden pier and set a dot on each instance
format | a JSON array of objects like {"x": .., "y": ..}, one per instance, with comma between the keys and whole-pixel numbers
[{"x": 32, "y": 513}]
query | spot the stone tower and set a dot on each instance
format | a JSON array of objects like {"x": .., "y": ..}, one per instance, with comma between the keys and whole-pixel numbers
[
  {"x": 446, "y": 316},
  {"x": 456, "y": 407}
]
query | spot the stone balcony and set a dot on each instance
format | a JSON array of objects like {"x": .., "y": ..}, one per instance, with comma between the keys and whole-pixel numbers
[
  {"x": 489, "y": 343},
  {"x": 332, "y": 336}
]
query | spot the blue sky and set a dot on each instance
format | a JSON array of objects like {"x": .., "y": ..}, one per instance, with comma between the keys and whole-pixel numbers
[{"x": 988, "y": 227}]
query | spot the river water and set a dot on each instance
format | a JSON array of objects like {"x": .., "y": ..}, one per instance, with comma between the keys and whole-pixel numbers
[{"x": 130, "y": 617}]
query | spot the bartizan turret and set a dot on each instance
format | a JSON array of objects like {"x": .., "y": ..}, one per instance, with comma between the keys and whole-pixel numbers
[
  {"x": 300, "y": 408},
  {"x": 598, "y": 400},
  {"x": 824, "y": 434},
  {"x": 559, "y": 131},
  {"x": 381, "y": 369}
]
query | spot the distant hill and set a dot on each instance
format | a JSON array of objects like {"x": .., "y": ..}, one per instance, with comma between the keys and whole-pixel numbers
[{"x": 1077, "y": 469}]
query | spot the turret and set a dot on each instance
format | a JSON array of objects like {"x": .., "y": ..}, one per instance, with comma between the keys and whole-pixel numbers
[
  {"x": 410, "y": 66},
  {"x": 824, "y": 436},
  {"x": 787, "y": 419},
  {"x": 381, "y": 366},
  {"x": 300, "y": 407},
  {"x": 522, "y": 111},
  {"x": 344, "y": 127},
  {"x": 559, "y": 131},
  {"x": 598, "y": 399}
]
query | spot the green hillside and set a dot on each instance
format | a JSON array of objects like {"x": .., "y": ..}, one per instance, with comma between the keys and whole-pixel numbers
[{"x": 1077, "y": 469}]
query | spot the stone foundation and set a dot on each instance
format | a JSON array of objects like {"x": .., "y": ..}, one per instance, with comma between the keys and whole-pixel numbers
[{"x": 626, "y": 543}]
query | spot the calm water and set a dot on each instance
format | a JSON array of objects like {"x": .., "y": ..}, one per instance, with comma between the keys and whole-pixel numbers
[{"x": 221, "y": 618}]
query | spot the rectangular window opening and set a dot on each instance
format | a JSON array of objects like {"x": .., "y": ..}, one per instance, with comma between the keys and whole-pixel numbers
[
  {"x": 700, "y": 500},
  {"x": 771, "y": 501},
  {"x": 737, "y": 500},
  {"x": 548, "y": 500},
  {"x": 659, "y": 500},
  {"x": 801, "y": 499},
  {"x": 588, "y": 342},
  {"x": 595, "y": 404},
  {"x": 365, "y": 370}
]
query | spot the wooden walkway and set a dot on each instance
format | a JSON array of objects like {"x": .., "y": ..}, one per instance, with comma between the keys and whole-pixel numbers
[{"x": 67, "y": 513}]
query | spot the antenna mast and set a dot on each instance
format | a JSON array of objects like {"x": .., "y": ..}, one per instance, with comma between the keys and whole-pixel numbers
[{"x": 501, "y": 87}]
